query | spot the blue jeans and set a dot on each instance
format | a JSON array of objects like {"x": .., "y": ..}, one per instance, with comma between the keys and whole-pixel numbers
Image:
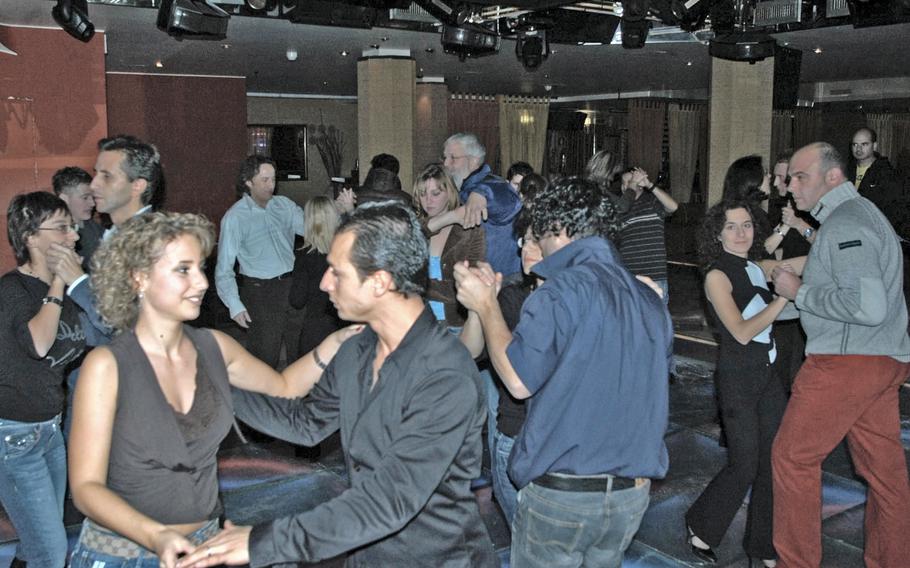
[
  {"x": 503, "y": 489},
  {"x": 32, "y": 484},
  {"x": 555, "y": 528}
]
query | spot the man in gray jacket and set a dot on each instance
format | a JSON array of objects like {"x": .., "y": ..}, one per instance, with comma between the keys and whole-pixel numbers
[{"x": 855, "y": 318}]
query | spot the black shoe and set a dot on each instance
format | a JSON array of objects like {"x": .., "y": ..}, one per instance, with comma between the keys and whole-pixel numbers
[
  {"x": 18, "y": 563},
  {"x": 704, "y": 554}
]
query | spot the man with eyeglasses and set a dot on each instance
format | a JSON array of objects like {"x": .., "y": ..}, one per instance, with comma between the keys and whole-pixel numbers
[
  {"x": 489, "y": 199},
  {"x": 71, "y": 184},
  {"x": 874, "y": 176}
]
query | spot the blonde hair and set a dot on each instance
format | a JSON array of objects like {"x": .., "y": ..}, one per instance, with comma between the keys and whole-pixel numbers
[
  {"x": 443, "y": 181},
  {"x": 134, "y": 249},
  {"x": 320, "y": 221}
]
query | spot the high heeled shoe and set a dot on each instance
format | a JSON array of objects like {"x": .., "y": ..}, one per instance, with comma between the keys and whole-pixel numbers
[{"x": 705, "y": 554}]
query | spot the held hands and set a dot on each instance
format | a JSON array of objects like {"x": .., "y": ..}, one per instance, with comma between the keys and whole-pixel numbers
[
  {"x": 788, "y": 217},
  {"x": 64, "y": 263},
  {"x": 231, "y": 546},
  {"x": 786, "y": 282},
  {"x": 475, "y": 210},
  {"x": 168, "y": 545},
  {"x": 478, "y": 286}
]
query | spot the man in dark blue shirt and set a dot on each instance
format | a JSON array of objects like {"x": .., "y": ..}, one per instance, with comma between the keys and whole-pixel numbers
[{"x": 592, "y": 351}]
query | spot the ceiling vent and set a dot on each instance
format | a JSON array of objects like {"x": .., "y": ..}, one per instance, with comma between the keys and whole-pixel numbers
[{"x": 775, "y": 12}]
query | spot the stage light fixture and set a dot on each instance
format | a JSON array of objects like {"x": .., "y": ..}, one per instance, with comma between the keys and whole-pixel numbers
[
  {"x": 469, "y": 40},
  {"x": 532, "y": 48},
  {"x": 72, "y": 15},
  {"x": 192, "y": 19},
  {"x": 634, "y": 25}
]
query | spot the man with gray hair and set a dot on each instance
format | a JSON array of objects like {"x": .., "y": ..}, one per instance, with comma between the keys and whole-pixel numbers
[
  {"x": 853, "y": 310},
  {"x": 488, "y": 199}
]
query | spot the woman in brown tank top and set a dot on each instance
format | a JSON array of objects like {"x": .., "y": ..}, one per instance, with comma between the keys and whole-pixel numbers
[{"x": 152, "y": 407}]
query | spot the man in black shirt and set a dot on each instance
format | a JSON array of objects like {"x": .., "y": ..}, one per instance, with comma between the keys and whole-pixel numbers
[{"x": 407, "y": 399}]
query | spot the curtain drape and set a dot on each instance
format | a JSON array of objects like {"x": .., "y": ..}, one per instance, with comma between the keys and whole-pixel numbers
[
  {"x": 806, "y": 127},
  {"x": 522, "y": 130},
  {"x": 781, "y": 134},
  {"x": 687, "y": 124},
  {"x": 477, "y": 114},
  {"x": 646, "y": 130},
  {"x": 883, "y": 124}
]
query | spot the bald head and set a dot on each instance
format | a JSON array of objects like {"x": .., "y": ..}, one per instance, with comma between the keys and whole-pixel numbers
[{"x": 814, "y": 170}]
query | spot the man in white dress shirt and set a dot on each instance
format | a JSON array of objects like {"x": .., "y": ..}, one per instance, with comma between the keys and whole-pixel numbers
[{"x": 258, "y": 232}]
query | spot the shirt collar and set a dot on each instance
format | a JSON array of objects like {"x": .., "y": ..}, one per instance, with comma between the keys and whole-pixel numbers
[
  {"x": 576, "y": 252},
  {"x": 831, "y": 200}
]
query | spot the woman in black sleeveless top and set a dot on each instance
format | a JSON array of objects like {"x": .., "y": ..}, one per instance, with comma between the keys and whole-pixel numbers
[
  {"x": 751, "y": 399},
  {"x": 152, "y": 407}
]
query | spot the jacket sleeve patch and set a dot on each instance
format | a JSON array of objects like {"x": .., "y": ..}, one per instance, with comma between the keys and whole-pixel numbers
[{"x": 849, "y": 244}]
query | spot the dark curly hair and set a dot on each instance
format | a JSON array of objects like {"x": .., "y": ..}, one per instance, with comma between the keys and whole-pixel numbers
[
  {"x": 710, "y": 247},
  {"x": 577, "y": 205}
]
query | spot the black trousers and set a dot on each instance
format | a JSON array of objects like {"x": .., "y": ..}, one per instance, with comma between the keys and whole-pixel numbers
[
  {"x": 752, "y": 403},
  {"x": 267, "y": 304},
  {"x": 791, "y": 351}
]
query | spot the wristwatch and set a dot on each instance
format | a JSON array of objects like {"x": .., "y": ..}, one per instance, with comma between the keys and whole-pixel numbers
[{"x": 808, "y": 232}]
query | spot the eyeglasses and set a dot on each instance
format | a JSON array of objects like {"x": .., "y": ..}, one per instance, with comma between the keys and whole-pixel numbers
[
  {"x": 452, "y": 158},
  {"x": 62, "y": 229}
]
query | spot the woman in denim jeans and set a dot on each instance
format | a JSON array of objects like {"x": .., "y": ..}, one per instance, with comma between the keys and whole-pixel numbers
[
  {"x": 152, "y": 407},
  {"x": 40, "y": 338}
]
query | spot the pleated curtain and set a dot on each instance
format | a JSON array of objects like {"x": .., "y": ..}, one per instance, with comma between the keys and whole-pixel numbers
[
  {"x": 646, "y": 129},
  {"x": 522, "y": 130},
  {"x": 688, "y": 129},
  {"x": 479, "y": 115}
]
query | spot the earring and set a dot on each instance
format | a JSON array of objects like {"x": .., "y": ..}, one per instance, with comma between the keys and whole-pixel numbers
[{"x": 140, "y": 295}]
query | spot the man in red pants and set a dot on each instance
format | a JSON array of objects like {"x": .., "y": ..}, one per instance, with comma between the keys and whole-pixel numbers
[{"x": 853, "y": 311}]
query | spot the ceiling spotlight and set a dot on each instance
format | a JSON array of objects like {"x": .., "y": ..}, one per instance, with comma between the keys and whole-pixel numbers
[
  {"x": 72, "y": 15},
  {"x": 532, "y": 49},
  {"x": 192, "y": 19},
  {"x": 343, "y": 53},
  {"x": 159, "y": 64},
  {"x": 469, "y": 40},
  {"x": 634, "y": 25}
]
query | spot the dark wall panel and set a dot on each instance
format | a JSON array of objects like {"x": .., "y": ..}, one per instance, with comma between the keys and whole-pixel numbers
[{"x": 199, "y": 127}]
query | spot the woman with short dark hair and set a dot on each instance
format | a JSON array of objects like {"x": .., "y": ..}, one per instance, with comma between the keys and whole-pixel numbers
[{"x": 40, "y": 338}]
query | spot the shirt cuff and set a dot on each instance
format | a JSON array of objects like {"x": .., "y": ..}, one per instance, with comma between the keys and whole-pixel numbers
[{"x": 76, "y": 282}]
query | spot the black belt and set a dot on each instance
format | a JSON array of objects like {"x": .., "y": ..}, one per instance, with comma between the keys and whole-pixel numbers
[
  {"x": 561, "y": 483},
  {"x": 279, "y": 277}
]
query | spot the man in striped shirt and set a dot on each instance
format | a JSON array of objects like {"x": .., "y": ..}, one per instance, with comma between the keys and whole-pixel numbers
[{"x": 641, "y": 234}]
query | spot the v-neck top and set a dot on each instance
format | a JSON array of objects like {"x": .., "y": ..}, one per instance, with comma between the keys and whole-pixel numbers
[{"x": 162, "y": 470}]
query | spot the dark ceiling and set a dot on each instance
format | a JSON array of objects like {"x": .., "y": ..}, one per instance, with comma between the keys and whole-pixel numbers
[{"x": 671, "y": 62}]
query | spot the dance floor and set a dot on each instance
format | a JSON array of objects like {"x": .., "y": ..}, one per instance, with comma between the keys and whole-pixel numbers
[{"x": 263, "y": 480}]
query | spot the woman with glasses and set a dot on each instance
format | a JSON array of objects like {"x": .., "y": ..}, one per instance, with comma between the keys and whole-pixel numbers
[
  {"x": 41, "y": 337},
  {"x": 436, "y": 200}
]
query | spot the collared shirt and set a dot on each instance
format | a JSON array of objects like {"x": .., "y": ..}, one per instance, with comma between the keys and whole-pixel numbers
[
  {"x": 503, "y": 204},
  {"x": 261, "y": 239},
  {"x": 593, "y": 346},
  {"x": 112, "y": 230},
  {"x": 412, "y": 445}
]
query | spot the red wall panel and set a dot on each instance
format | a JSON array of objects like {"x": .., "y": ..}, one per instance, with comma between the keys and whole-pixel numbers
[
  {"x": 52, "y": 95},
  {"x": 199, "y": 127}
]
